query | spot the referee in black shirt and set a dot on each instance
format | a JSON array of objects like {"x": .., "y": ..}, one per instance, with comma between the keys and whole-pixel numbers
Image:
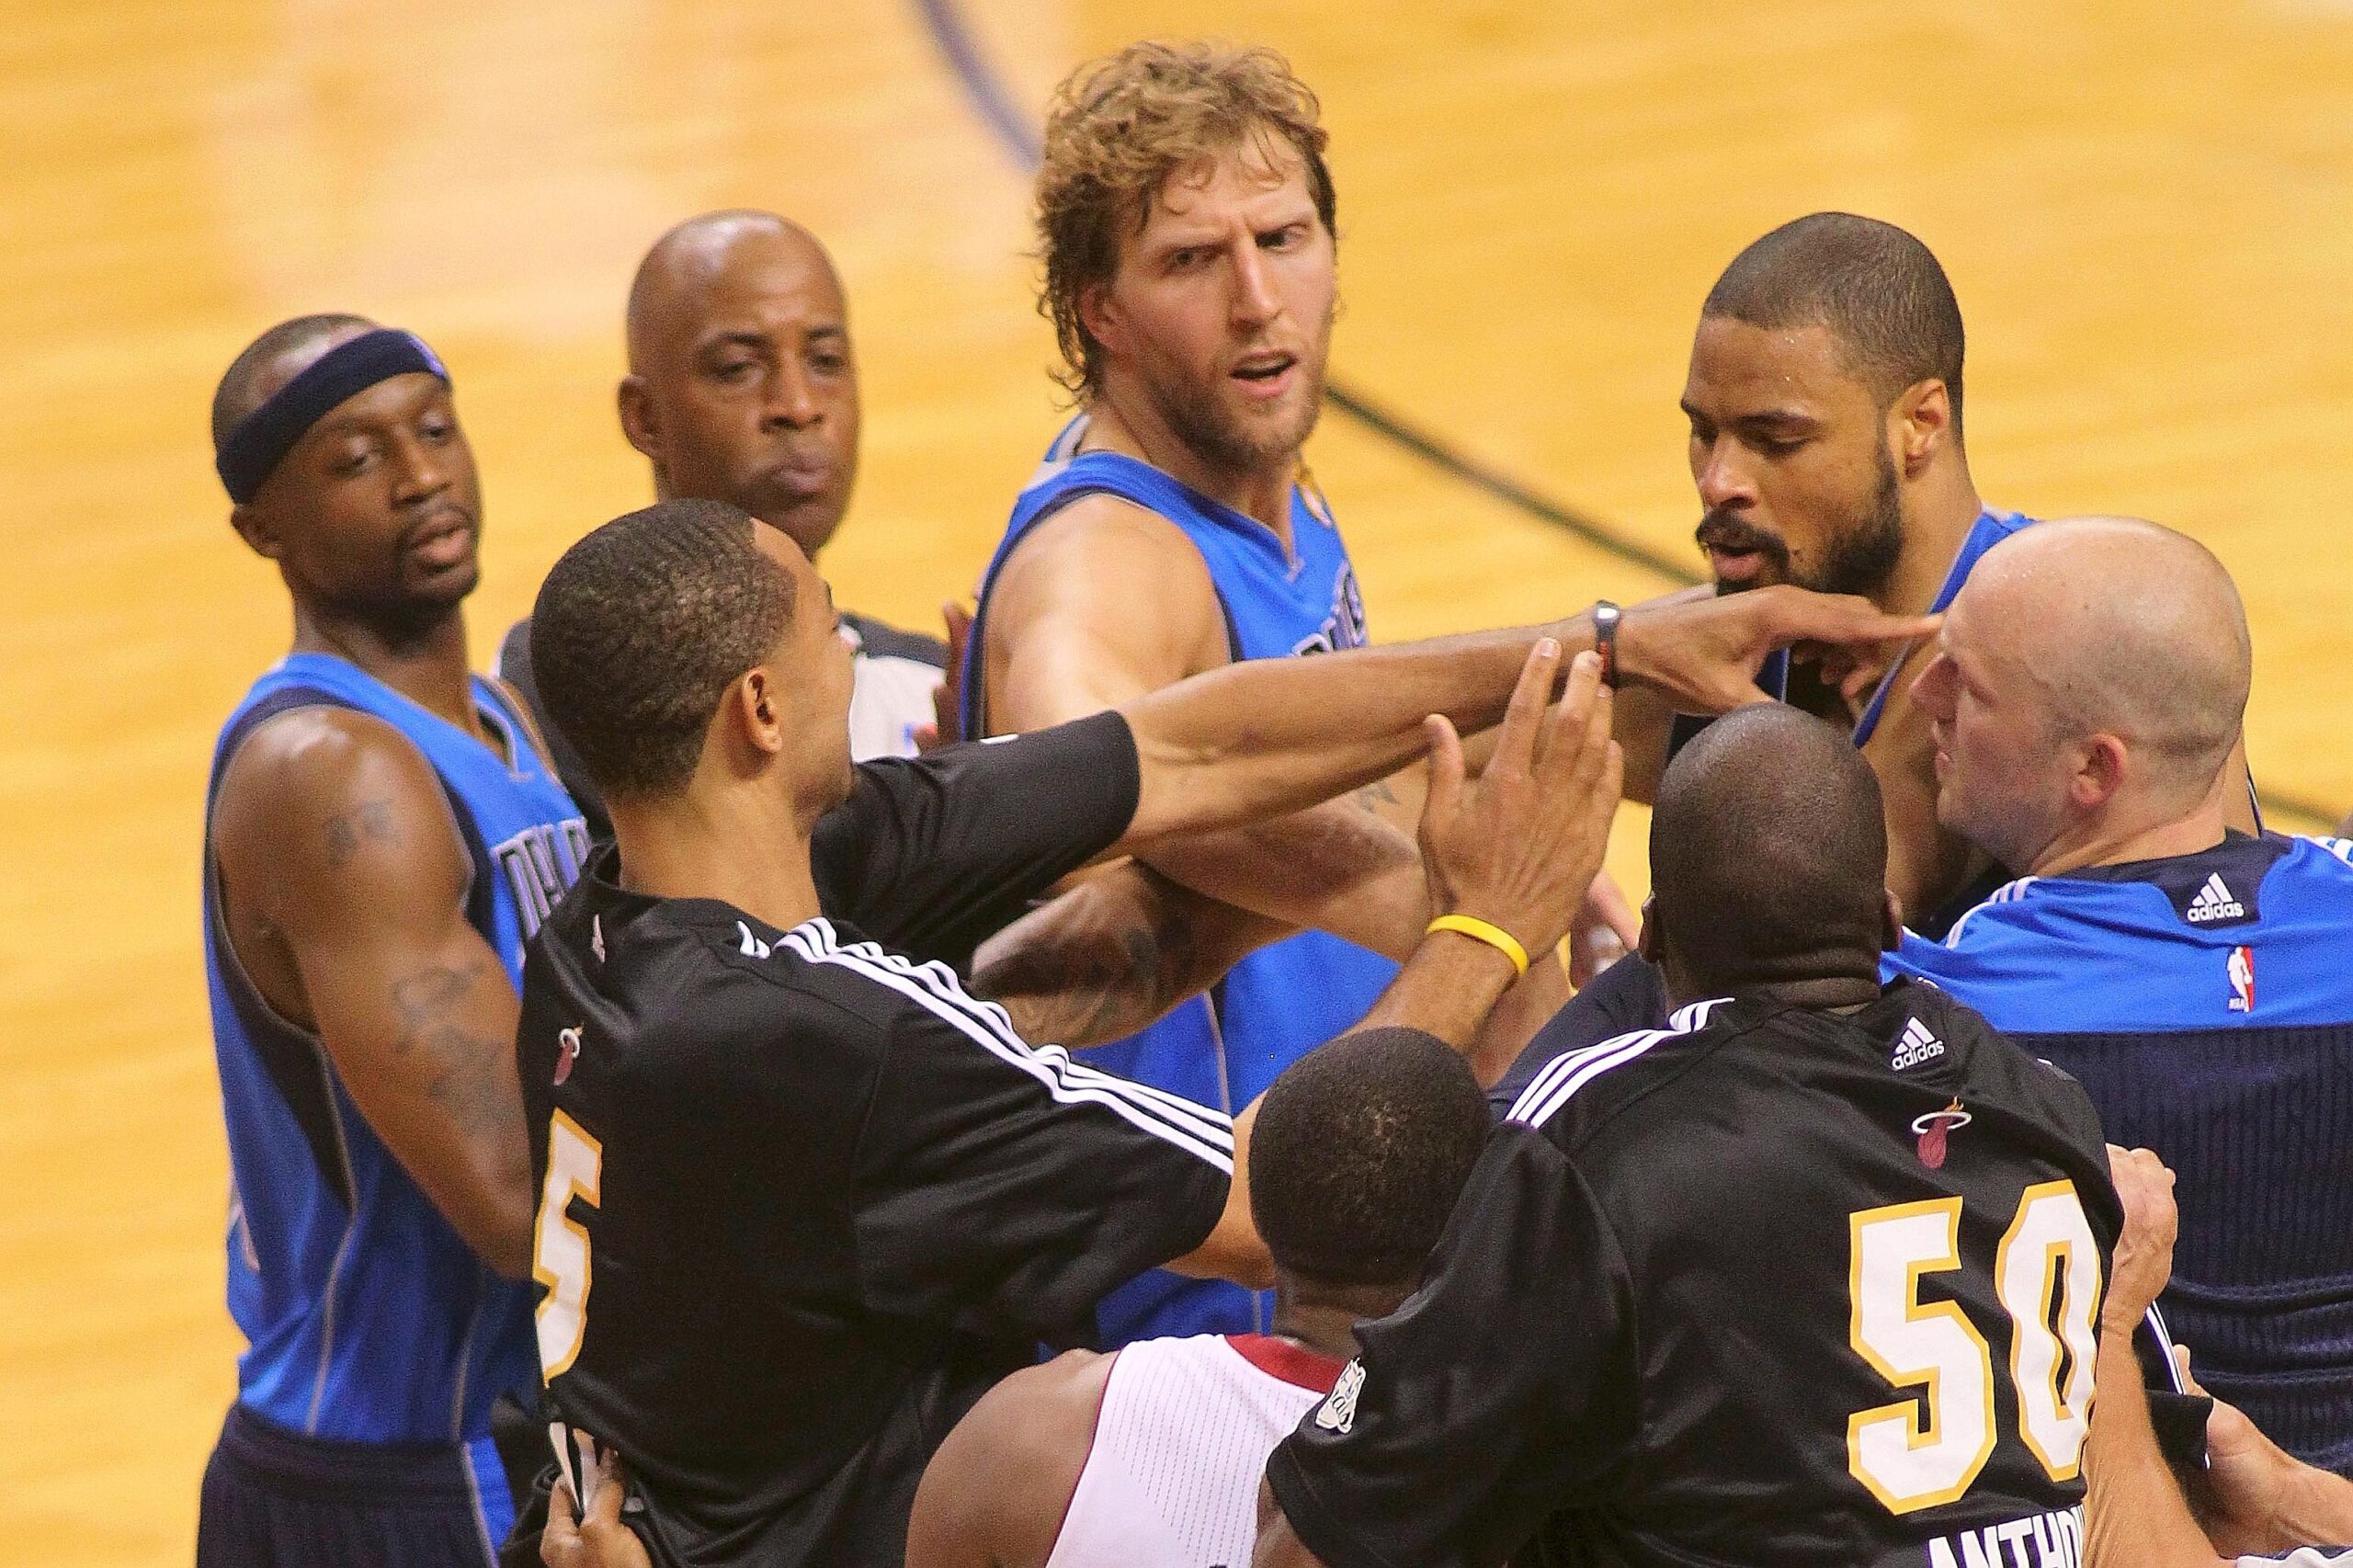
[
  {"x": 1812, "y": 1276},
  {"x": 803, "y": 1197}
]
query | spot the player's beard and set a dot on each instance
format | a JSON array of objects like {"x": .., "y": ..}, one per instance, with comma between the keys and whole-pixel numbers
[
  {"x": 1209, "y": 428},
  {"x": 1860, "y": 555}
]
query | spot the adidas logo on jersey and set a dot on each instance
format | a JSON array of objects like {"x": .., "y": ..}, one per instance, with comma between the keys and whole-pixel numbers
[
  {"x": 2214, "y": 903},
  {"x": 1338, "y": 1411},
  {"x": 1916, "y": 1046}
]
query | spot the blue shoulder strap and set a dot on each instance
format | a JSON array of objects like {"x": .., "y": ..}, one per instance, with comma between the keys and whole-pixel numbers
[{"x": 1083, "y": 475}]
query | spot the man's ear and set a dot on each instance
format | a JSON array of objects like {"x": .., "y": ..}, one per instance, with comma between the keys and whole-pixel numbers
[
  {"x": 639, "y": 422},
  {"x": 253, "y": 528},
  {"x": 1101, "y": 315},
  {"x": 758, "y": 709},
  {"x": 2100, "y": 774},
  {"x": 1922, "y": 424},
  {"x": 1891, "y": 921},
  {"x": 1648, "y": 945}
]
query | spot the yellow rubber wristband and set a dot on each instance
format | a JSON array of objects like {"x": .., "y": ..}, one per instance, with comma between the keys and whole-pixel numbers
[{"x": 1480, "y": 930}]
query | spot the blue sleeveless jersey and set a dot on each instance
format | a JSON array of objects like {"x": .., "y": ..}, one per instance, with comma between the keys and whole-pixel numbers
[
  {"x": 2206, "y": 1003},
  {"x": 1290, "y": 996},
  {"x": 367, "y": 1319}
]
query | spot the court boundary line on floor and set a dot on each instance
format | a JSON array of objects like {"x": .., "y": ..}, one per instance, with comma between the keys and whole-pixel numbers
[{"x": 987, "y": 95}]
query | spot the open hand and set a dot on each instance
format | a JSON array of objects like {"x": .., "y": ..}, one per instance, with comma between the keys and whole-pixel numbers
[{"x": 1519, "y": 847}]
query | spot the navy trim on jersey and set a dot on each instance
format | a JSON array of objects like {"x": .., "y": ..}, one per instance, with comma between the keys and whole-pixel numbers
[{"x": 2204, "y": 1003}]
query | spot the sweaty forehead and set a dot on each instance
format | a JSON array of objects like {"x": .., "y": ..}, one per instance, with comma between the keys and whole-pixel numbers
[{"x": 1743, "y": 367}]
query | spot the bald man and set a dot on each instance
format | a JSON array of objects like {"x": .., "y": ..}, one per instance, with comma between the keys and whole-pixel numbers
[
  {"x": 742, "y": 388},
  {"x": 2084, "y": 697}
]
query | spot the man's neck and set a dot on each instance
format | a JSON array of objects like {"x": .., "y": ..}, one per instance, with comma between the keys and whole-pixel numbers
[
  {"x": 1936, "y": 522},
  {"x": 425, "y": 662},
  {"x": 1832, "y": 993},
  {"x": 1125, "y": 421},
  {"x": 1324, "y": 1317},
  {"x": 2109, "y": 843},
  {"x": 700, "y": 844}
]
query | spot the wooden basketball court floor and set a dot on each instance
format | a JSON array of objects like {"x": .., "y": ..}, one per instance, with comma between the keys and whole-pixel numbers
[{"x": 2148, "y": 211}]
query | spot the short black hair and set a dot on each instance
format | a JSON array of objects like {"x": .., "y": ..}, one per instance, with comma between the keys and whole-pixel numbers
[
  {"x": 1881, "y": 292},
  {"x": 1768, "y": 852},
  {"x": 1361, "y": 1150},
  {"x": 237, "y": 396},
  {"x": 641, "y": 627}
]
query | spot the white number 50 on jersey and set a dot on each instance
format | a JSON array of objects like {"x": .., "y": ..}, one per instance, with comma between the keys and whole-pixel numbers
[
  {"x": 560, "y": 1245},
  {"x": 1933, "y": 1346}
]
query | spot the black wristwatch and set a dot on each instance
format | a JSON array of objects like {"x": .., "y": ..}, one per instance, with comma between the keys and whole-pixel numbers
[{"x": 1606, "y": 617}]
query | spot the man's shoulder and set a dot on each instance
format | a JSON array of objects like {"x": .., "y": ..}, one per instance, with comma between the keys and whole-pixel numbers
[
  {"x": 695, "y": 974},
  {"x": 365, "y": 784},
  {"x": 2151, "y": 946},
  {"x": 1581, "y": 1091}
]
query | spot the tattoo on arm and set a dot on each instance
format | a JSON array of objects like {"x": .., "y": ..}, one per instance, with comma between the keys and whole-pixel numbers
[
  {"x": 1096, "y": 1007},
  {"x": 1375, "y": 795},
  {"x": 467, "y": 1074},
  {"x": 371, "y": 822}
]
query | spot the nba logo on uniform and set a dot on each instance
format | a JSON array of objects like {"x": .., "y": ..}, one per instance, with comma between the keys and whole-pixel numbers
[
  {"x": 2242, "y": 973},
  {"x": 567, "y": 1051}
]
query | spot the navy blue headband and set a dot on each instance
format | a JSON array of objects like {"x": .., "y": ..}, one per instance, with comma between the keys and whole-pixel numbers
[{"x": 263, "y": 437}]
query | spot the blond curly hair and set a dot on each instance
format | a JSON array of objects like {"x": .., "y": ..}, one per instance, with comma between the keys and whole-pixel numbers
[{"x": 1121, "y": 126}]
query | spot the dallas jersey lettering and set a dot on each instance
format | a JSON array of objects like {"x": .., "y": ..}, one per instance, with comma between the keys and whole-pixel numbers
[
  {"x": 1180, "y": 1442},
  {"x": 367, "y": 1319},
  {"x": 2206, "y": 1004},
  {"x": 1286, "y": 998},
  {"x": 1739, "y": 1292}
]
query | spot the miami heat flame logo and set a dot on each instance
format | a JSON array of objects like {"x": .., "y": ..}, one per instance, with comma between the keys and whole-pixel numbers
[
  {"x": 567, "y": 1051},
  {"x": 1932, "y": 1130}
]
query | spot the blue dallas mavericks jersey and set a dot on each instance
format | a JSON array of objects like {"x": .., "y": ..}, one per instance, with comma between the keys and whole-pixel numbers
[
  {"x": 1289, "y": 997},
  {"x": 2206, "y": 1004},
  {"x": 366, "y": 1318}
]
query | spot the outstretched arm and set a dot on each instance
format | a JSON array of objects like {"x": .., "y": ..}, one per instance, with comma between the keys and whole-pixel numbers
[
  {"x": 337, "y": 850},
  {"x": 1107, "y": 606},
  {"x": 1236, "y": 744}
]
